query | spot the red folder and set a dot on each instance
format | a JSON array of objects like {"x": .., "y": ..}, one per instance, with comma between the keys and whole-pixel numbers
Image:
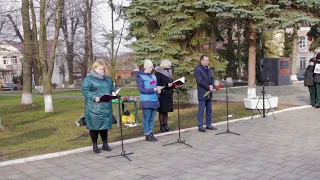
[
  {"x": 179, "y": 82},
  {"x": 107, "y": 98}
]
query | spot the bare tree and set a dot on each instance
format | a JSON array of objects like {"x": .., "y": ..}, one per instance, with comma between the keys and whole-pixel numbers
[
  {"x": 10, "y": 17},
  {"x": 35, "y": 48},
  {"x": 15, "y": 27},
  {"x": 114, "y": 39},
  {"x": 47, "y": 60},
  {"x": 28, "y": 47},
  {"x": 88, "y": 50},
  {"x": 89, "y": 4},
  {"x": 86, "y": 46},
  {"x": 70, "y": 23}
]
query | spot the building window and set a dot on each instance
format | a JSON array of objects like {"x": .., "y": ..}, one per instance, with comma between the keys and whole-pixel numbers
[
  {"x": 303, "y": 63},
  {"x": 5, "y": 61},
  {"x": 302, "y": 42},
  {"x": 14, "y": 60}
]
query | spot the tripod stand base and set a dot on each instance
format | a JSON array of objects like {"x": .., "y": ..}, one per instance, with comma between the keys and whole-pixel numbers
[
  {"x": 228, "y": 132},
  {"x": 123, "y": 154},
  {"x": 178, "y": 141}
]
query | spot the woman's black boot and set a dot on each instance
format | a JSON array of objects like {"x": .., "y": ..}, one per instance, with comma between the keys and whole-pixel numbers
[
  {"x": 167, "y": 128},
  {"x": 162, "y": 128},
  {"x": 96, "y": 148},
  {"x": 105, "y": 146}
]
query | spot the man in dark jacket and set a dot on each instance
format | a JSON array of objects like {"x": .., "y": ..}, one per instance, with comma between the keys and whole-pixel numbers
[{"x": 205, "y": 83}]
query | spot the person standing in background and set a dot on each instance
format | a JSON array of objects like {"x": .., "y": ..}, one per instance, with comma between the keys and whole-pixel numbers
[
  {"x": 309, "y": 81},
  {"x": 98, "y": 114},
  {"x": 205, "y": 82},
  {"x": 317, "y": 83},
  {"x": 164, "y": 78},
  {"x": 147, "y": 86}
]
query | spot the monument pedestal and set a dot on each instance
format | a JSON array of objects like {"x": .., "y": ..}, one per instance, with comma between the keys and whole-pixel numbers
[{"x": 274, "y": 71}]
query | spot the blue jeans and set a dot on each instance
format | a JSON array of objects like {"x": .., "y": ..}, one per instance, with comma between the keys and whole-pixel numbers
[
  {"x": 148, "y": 120},
  {"x": 208, "y": 105}
]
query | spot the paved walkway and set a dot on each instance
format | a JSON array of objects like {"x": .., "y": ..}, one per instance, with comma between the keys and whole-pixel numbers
[
  {"x": 289, "y": 94},
  {"x": 285, "y": 148}
]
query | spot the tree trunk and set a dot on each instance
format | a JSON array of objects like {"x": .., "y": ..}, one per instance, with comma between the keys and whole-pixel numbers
[
  {"x": 252, "y": 61},
  {"x": 214, "y": 39},
  {"x": 113, "y": 58},
  {"x": 48, "y": 105},
  {"x": 89, "y": 24},
  {"x": 47, "y": 61},
  {"x": 239, "y": 51},
  {"x": 86, "y": 49},
  {"x": 294, "y": 55},
  {"x": 27, "y": 63},
  {"x": 70, "y": 56},
  {"x": 35, "y": 48},
  {"x": 230, "y": 55},
  {"x": 70, "y": 45},
  {"x": 36, "y": 72}
]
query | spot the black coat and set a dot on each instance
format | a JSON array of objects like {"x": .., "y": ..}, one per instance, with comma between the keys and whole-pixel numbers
[
  {"x": 204, "y": 79},
  {"x": 165, "y": 98},
  {"x": 309, "y": 76}
]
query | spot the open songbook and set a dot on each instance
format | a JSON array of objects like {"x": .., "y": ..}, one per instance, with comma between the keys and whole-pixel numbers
[
  {"x": 108, "y": 97},
  {"x": 179, "y": 82},
  {"x": 317, "y": 68}
]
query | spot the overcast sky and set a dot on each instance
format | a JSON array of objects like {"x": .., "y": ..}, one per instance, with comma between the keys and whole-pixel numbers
[{"x": 101, "y": 20}]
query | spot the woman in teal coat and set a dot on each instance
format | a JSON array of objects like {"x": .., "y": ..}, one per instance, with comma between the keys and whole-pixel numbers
[{"x": 98, "y": 114}]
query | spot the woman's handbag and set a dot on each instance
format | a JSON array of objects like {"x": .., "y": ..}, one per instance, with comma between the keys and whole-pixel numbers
[{"x": 81, "y": 121}]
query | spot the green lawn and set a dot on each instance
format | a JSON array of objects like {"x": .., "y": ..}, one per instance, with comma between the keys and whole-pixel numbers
[
  {"x": 30, "y": 131},
  {"x": 68, "y": 92}
]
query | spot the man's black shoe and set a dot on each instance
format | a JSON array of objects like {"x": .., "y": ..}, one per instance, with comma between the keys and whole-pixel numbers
[
  {"x": 211, "y": 128},
  {"x": 149, "y": 138},
  {"x": 152, "y": 136},
  {"x": 201, "y": 129}
]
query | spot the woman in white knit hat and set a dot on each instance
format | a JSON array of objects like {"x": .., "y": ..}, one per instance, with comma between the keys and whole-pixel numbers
[{"x": 147, "y": 85}]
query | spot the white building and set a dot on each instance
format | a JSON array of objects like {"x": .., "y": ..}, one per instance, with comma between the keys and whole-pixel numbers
[
  {"x": 11, "y": 62},
  {"x": 11, "y": 58},
  {"x": 303, "y": 53}
]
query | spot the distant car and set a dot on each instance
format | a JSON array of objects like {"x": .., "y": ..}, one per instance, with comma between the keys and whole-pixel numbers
[
  {"x": 300, "y": 77},
  {"x": 9, "y": 87}
]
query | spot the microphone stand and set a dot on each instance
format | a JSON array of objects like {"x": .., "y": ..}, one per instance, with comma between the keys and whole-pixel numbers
[
  {"x": 180, "y": 141},
  {"x": 123, "y": 153},
  {"x": 227, "y": 100}
]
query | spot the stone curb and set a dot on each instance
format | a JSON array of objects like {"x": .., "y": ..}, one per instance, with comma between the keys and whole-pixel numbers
[{"x": 128, "y": 141}]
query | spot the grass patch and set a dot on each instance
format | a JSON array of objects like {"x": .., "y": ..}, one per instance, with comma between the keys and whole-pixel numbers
[
  {"x": 29, "y": 131},
  {"x": 74, "y": 92}
]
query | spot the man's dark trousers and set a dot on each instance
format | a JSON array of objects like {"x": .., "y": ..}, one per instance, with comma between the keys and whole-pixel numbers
[{"x": 208, "y": 105}]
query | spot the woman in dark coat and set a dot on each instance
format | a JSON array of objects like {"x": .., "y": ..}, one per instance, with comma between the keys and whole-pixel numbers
[
  {"x": 98, "y": 114},
  {"x": 164, "y": 78},
  {"x": 309, "y": 81}
]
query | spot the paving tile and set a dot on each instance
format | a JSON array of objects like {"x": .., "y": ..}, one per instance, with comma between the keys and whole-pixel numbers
[
  {"x": 18, "y": 176},
  {"x": 285, "y": 148},
  {"x": 41, "y": 174}
]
